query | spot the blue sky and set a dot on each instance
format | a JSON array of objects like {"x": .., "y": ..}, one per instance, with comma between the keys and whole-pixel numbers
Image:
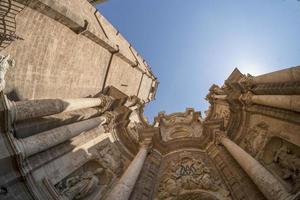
[{"x": 194, "y": 43}]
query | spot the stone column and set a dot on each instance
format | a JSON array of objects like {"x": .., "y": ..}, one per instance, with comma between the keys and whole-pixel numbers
[
  {"x": 288, "y": 102},
  {"x": 45, "y": 140},
  {"x": 265, "y": 181},
  {"x": 22, "y": 110},
  {"x": 282, "y": 76},
  {"x": 217, "y": 96},
  {"x": 125, "y": 185},
  {"x": 285, "y": 75}
]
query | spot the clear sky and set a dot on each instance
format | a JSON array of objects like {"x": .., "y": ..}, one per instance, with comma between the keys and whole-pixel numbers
[{"x": 191, "y": 44}]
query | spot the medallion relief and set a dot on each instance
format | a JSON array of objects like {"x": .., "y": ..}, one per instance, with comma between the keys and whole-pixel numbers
[{"x": 189, "y": 176}]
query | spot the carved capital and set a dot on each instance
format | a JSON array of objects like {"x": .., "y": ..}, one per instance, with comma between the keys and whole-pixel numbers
[
  {"x": 219, "y": 136},
  {"x": 247, "y": 82},
  {"x": 216, "y": 90},
  {"x": 106, "y": 102},
  {"x": 246, "y": 98},
  {"x": 109, "y": 120},
  {"x": 146, "y": 143}
]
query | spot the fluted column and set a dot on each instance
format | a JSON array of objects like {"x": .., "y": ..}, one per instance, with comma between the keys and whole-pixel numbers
[
  {"x": 265, "y": 181},
  {"x": 288, "y": 102},
  {"x": 29, "y": 109},
  {"x": 45, "y": 140},
  {"x": 125, "y": 185}
]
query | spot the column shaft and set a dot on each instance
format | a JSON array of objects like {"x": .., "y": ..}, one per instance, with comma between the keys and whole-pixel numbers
[
  {"x": 22, "y": 110},
  {"x": 288, "y": 102},
  {"x": 218, "y": 96},
  {"x": 285, "y": 75},
  {"x": 45, "y": 140},
  {"x": 125, "y": 185},
  {"x": 266, "y": 182}
]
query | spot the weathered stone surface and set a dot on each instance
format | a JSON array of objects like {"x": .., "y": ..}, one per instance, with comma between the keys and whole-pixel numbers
[{"x": 63, "y": 139}]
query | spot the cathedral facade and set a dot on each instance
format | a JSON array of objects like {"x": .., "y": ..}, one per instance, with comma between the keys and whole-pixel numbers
[{"x": 72, "y": 94}]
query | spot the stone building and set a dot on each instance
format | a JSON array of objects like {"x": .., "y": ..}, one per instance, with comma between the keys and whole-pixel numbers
[{"x": 72, "y": 124}]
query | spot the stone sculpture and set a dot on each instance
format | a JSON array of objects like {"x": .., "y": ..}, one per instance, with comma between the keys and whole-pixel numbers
[
  {"x": 256, "y": 139},
  {"x": 289, "y": 164},
  {"x": 77, "y": 187},
  {"x": 188, "y": 175},
  {"x": 5, "y": 63}
]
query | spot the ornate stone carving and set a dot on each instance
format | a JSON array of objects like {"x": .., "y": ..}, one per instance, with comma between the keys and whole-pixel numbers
[
  {"x": 106, "y": 102},
  {"x": 246, "y": 98},
  {"x": 216, "y": 90},
  {"x": 189, "y": 176},
  {"x": 289, "y": 164},
  {"x": 5, "y": 63},
  {"x": 109, "y": 120},
  {"x": 110, "y": 158},
  {"x": 256, "y": 139},
  {"x": 79, "y": 186},
  {"x": 133, "y": 129},
  {"x": 179, "y": 125},
  {"x": 246, "y": 82},
  {"x": 221, "y": 112}
]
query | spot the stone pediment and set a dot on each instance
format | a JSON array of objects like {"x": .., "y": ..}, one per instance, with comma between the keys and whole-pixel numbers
[{"x": 179, "y": 125}]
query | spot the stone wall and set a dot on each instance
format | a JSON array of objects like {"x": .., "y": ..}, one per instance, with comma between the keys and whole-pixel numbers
[{"x": 69, "y": 50}]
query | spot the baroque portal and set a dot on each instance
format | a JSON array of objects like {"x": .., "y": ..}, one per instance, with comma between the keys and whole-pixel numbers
[{"x": 72, "y": 122}]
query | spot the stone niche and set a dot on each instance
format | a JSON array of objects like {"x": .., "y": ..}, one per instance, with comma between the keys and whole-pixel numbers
[
  {"x": 189, "y": 175},
  {"x": 283, "y": 159},
  {"x": 93, "y": 179},
  {"x": 180, "y": 125},
  {"x": 86, "y": 182},
  {"x": 273, "y": 144}
]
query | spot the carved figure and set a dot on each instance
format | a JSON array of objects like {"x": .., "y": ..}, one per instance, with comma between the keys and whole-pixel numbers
[
  {"x": 5, "y": 64},
  {"x": 288, "y": 161},
  {"x": 110, "y": 158},
  {"x": 188, "y": 175},
  {"x": 257, "y": 139},
  {"x": 77, "y": 187}
]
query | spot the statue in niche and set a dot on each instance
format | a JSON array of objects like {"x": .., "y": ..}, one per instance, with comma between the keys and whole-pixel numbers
[
  {"x": 5, "y": 64},
  {"x": 256, "y": 139},
  {"x": 80, "y": 186},
  {"x": 289, "y": 164}
]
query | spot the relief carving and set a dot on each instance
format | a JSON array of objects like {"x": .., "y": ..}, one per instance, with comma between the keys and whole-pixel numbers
[
  {"x": 189, "y": 175},
  {"x": 289, "y": 164},
  {"x": 80, "y": 186},
  {"x": 247, "y": 82},
  {"x": 5, "y": 63},
  {"x": 110, "y": 158},
  {"x": 256, "y": 139}
]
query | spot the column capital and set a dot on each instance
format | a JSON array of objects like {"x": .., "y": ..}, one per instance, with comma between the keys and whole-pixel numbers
[
  {"x": 106, "y": 102},
  {"x": 109, "y": 120},
  {"x": 219, "y": 135},
  {"x": 246, "y": 98},
  {"x": 246, "y": 82},
  {"x": 146, "y": 143}
]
